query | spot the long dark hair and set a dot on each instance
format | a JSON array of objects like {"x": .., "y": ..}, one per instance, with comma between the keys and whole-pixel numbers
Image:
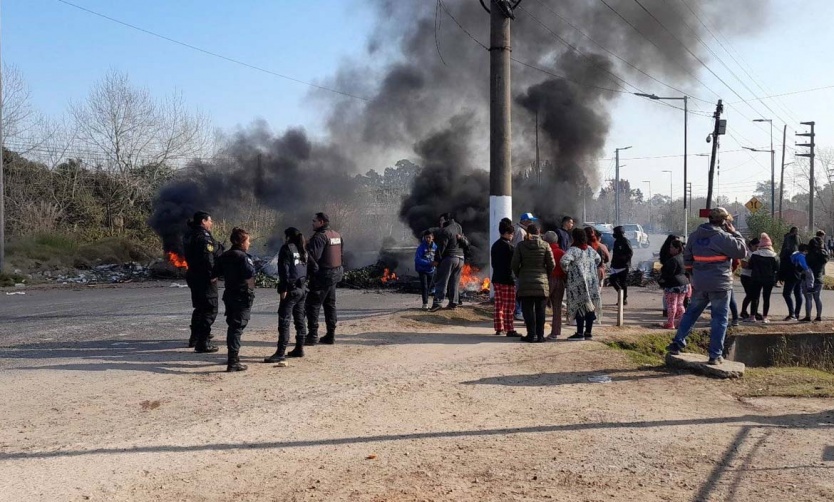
[
  {"x": 238, "y": 236},
  {"x": 296, "y": 238},
  {"x": 665, "y": 249},
  {"x": 580, "y": 238}
]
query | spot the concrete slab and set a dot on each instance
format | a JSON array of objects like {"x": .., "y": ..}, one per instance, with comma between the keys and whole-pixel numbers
[{"x": 698, "y": 364}]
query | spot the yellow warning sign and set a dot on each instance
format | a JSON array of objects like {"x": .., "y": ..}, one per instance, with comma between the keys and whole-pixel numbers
[{"x": 753, "y": 205}]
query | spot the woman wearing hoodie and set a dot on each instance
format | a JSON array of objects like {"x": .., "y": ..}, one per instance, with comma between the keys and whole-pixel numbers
[
  {"x": 764, "y": 271},
  {"x": 532, "y": 263}
]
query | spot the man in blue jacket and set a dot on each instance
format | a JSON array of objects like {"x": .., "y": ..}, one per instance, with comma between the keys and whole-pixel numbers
[{"x": 709, "y": 253}]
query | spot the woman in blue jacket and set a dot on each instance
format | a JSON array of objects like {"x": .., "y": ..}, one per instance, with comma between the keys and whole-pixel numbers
[{"x": 424, "y": 264}]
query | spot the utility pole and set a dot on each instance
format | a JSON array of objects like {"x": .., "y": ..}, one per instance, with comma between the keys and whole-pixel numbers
[
  {"x": 810, "y": 155},
  {"x": 500, "y": 103},
  {"x": 718, "y": 130},
  {"x": 617, "y": 186},
  {"x": 782, "y": 175},
  {"x": 2, "y": 183},
  {"x": 689, "y": 194},
  {"x": 538, "y": 164}
]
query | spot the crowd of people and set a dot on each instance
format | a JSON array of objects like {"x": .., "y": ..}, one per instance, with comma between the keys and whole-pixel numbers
[
  {"x": 704, "y": 269},
  {"x": 308, "y": 272},
  {"x": 562, "y": 269}
]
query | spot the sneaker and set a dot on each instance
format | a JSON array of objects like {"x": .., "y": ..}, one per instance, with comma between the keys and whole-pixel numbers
[
  {"x": 790, "y": 318},
  {"x": 805, "y": 319},
  {"x": 750, "y": 319},
  {"x": 578, "y": 337},
  {"x": 551, "y": 338},
  {"x": 715, "y": 361},
  {"x": 499, "y": 333},
  {"x": 818, "y": 319},
  {"x": 765, "y": 320},
  {"x": 451, "y": 306},
  {"x": 666, "y": 325},
  {"x": 588, "y": 336},
  {"x": 673, "y": 349},
  {"x": 734, "y": 323},
  {"x": 513, "y": 334},
  {"x": 759, "y": 317},
  {"x": 435, "y": 307},
  {"x": 744, "y": 315},
  {"x": 425, "y": 306}
]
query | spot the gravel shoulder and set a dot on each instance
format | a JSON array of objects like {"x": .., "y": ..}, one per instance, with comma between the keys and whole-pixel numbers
[{"x": 407, "y": 406}]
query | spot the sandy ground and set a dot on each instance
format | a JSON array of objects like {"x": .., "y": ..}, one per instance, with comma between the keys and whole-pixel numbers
[{"x": 406, "y": 406}]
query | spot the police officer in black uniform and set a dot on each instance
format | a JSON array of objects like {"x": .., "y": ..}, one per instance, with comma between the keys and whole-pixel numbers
[
  {"x": 325, "y": 270},
  {"x": 238, "y": 272},
  {"x": 292, "y": 288},
  {"x": 201, "y": 250}
]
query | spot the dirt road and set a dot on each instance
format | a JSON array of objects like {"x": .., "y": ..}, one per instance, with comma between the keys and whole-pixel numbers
[{"x": 404, "y": 407}]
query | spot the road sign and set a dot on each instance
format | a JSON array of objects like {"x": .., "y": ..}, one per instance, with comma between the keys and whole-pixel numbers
[{"x": 753, "y": 205}]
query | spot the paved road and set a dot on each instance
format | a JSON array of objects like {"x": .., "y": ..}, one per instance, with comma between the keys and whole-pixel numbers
[{"x": 144, "y": 311}]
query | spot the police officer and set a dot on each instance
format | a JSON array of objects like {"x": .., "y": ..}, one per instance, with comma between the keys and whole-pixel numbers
[
  {"x": 292, "y": 288},
  {"x": 325, "y": 270},
  {"x": 238, "y": 272},
  {"x": 201, "y": 250}
]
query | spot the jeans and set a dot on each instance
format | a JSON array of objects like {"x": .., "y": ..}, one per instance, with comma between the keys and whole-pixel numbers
[
  {"x": 720, "y": 305},
  {"x": 815, "y": 295},
  {"x": 757, "y": 288},
  {"x": 793, "y": 287},
  {"x": 426, "y": 279},
  {"x": 534, "y": 308},
  {"x": 733, "y": 305},
  {"x": 448, "y": 278}
]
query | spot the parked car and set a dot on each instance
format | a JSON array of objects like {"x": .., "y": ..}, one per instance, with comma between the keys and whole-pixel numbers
[{"x": 635, "y": 234}]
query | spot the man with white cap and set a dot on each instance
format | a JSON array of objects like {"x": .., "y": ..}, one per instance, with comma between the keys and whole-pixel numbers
[{"x": 709, "y": 253}]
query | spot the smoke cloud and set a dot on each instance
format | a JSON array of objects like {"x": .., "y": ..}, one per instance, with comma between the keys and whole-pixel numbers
[{"x": 428, "y": 87}]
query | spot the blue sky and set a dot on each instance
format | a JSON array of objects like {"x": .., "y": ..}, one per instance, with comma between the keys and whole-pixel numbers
[{"x": 62, "y": 51}]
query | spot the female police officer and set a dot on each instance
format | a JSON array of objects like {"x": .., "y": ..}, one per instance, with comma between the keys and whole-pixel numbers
[
  {"x": 238, "y": 270},
  {"x": 292, "y": 287}
]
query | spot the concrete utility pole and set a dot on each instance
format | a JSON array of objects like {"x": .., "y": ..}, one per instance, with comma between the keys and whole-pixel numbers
[
  {"x": 718, "y": 130},
  {"x": 772, "y": 170},
  {"x": 782, "y": 175},
  {"x": 810, "y": 155},
  {"x": 2, "y": 183},
  {"x": 500, "y": 103},
  {"x": 617, "y": 186}
]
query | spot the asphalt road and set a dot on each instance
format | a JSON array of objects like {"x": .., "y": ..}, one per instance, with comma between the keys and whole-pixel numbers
[{"x": 144, "y": 311}]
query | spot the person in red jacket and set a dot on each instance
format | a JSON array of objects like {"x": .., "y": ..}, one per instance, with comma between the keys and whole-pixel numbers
[{"x": 558, "y": 279}]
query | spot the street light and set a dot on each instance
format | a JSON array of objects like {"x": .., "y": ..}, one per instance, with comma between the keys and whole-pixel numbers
[
  {"x": 617, "y": 186},
  {"x": 685, "y": 100},
  {"x": 772, "y": 169},
  {"x": 650, "y": 203},
  {"x": 772, "y": 179}
]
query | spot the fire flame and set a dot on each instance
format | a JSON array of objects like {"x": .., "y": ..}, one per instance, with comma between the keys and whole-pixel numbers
[
  {"x": 469, "y": 280},
  {"x": 176, "y": 260},
  {"x": 388, "y": 276}
]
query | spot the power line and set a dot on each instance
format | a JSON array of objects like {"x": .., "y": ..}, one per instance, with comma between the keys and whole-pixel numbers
[
  {"x": 214, "y": 54},
  {"x": 787, "y": 94}
]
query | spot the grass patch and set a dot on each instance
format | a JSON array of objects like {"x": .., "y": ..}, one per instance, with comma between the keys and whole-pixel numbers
[
  {"x": 785, "y": 382},
  {"x": 650, "y": 348},
  {"x": 50, "y": 251},
  {"x": 9, "y": 280}
]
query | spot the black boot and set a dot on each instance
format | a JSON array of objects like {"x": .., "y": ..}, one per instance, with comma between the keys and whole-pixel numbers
[
  {"x": 298, "y": 351},
  {"x": 311, "y": 340},
  {"x": 233, "y": 363},
  {"x": 328, "y": 339},
  {"x": 204, "y": 346},
  {"x": 277, "y": 357}
]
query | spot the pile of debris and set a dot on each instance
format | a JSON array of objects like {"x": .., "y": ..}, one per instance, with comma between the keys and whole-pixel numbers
[{"x": 101, "y": 274}]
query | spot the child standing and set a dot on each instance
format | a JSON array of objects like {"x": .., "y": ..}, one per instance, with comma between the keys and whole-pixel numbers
[
  {"x": 424, "y": 265},
  {"x": 675, "y": 284},
  {"x": 503, "y": 281}
]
